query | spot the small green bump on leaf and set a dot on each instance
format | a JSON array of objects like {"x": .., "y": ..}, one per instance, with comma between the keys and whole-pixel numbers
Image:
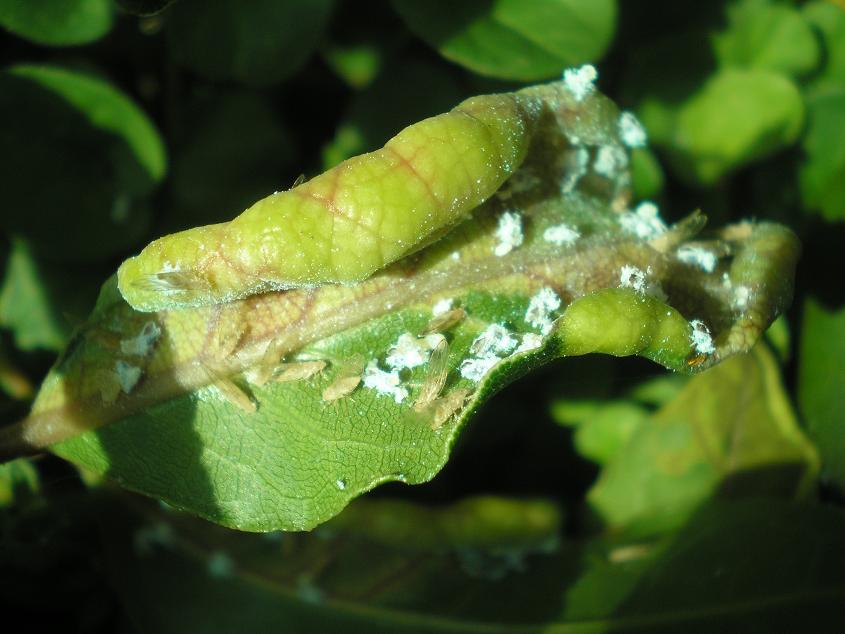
[{"x": 623, "y": 322}]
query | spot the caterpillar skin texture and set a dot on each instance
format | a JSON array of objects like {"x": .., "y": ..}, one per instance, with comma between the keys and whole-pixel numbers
[{"x": 350, "y": 221}]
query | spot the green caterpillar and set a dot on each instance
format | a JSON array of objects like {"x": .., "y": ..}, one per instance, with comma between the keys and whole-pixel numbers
[{"x": 345, "y": 224}]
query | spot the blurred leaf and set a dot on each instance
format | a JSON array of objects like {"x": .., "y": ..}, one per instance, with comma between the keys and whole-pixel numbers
[
  {"x": 823, "y": 171},
  {"x": 144, "y": 7},
  {"x": 603, "y": 432},
  {"x": 821, "y": 384},
  {"x": 771, "y": 36},
  {"x": 107, "y": 109},
  {"x": 357, "y": 65},
  {"x": 13, "y": 382},
  {"x": 25, "y": 304},
  {"x": 57, "y": 22},
  {"x": 646, "y": 174},
  {"x": 260, "y": 44},
  {"x": 759, "y": 564},
  {"x": 185, "y": 426},
  {"x": 376, "y": 113},
  {"x": 779, "y": 338},
  {"x": 78, "y": 164},
  {"x": 735, "y": 118},
  {"x": 374, "y": 569},
  {"x": 234, "y": 151},
  {"x": 829, "y": 20},
  {"x": 511, "y": 39},
  {"x": 18, "y": 479},
  {"x": 731, "y": 427},
  {"x": 736, "y": 566}
]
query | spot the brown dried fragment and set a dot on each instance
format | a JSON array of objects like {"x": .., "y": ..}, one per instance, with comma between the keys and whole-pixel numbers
[
  {"x": 435, "y": 378},
  {"x": 347, "y": 379},
  {"x": 235, "y": 395},
  {"x": 443, "y": 408},
  {"x": 679, "y": 232},
  {"x": 340, "y": 387},
  {"x": 444, "y": 321},
  {"x": 297, "y": 371}
]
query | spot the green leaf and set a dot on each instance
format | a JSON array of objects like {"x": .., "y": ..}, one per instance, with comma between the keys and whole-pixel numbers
[
  {"x": 821, "y": 384},
  {"x": 735, "y": 118},
  {"x": 605, "y": 431},
  {"x": 822, "y": 174},
  {"x": 78, "y": 165},
  {"x": 731, "y": 427},
  {"x": 511, "y": 39},
  {"x": 823, "y": 168},
  {"x": 233, "y": 150},
  {"x": 357, "y": 64},
  {"x": 57, "y": 22},
  {"x": 737, "y": 564},
  {"x": 646, "y": 174},
  {"x": 828, "y": 19},
  {"x": 25, "y": 304},
  {"x": 377, "y": 112},
  {"x": 194, "y": 414},
  {"x": 18, "y": 479},
  {"x": 41, "y": 302},
  {"x": 262, "y": 45},
  {"x": 768, "y": 36}
]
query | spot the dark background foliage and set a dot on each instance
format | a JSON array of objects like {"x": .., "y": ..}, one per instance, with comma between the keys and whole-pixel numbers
[{"x": 125, "y": 120}]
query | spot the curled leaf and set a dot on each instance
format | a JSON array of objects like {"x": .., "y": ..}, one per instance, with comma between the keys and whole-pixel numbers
[{"x": 550, "y": 261}]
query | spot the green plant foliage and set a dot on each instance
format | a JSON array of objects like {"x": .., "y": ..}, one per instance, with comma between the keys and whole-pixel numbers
[
  {"x": 767, "y": 113},
  {"x": 821, "y": 174},
  {"x": 358, "y": 65},
  {"x": 646, "y": 174},
  {"x": 377, "y": 112},
  {"x": 746, "y": 562},
  {"x": 731, "y": 428},
  {"x": 829, "y": 21},
  {"x": 822, "y": 182},
  {"x": 772, "y": 36},
  {"x": 259, "y": 46},
  {"x": 100, "y": 154},
  {"x": 234, "y": 149},
  {"x": 510, "y": 39},
  {"x": 25, "y": 304},
  {"x": 57, "y": 22},
  {"x": 18, "y": 479},
  {"x": 821, "y": 383}
]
